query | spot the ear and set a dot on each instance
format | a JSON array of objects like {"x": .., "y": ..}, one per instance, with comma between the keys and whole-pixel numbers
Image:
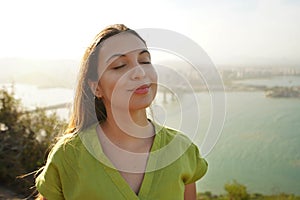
[{"x": 94, "y": 86}]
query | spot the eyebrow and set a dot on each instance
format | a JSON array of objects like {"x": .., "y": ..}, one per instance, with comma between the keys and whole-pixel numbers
[
  {"x": 123, "y": 55},
  {"x": 115, "y": 55},
  {"x": 144, "y": 51}
]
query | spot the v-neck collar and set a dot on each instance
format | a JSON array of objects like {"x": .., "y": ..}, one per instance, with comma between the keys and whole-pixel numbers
[{"x": 91, "y": 142}]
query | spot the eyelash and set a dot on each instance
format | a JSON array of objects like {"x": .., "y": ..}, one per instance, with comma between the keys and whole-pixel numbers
[
  {"x": 148, "y": 62},
  {"x": 120, "y": 66}
]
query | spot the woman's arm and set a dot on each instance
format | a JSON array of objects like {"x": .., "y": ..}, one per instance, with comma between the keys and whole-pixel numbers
[{"x": 190, "y": 192}]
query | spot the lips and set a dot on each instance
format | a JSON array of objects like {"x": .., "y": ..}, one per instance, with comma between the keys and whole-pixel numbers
[{"x": 142, "y": 89}]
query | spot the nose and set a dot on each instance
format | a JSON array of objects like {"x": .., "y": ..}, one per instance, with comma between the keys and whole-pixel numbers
[{"x": 137, "y": 72}]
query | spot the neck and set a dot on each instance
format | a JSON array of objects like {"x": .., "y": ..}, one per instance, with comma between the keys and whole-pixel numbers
[{"x": 127, "y": 125}]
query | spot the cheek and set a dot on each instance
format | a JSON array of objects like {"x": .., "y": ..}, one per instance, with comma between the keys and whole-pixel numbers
[
  {"x": 107, "y": 85},
  {"x": 152, "y": 75},
  {"x": 114, "y": 86},
  {"x": 153, "y": 78}
]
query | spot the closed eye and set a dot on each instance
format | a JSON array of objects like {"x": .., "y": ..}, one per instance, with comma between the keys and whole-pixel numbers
[
  {"x": 146, "y": 62},
  {"x": 120, "y": 66}
]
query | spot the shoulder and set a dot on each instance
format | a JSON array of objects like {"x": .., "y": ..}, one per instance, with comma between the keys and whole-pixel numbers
[
  {"x": 183, "y": 155},
  {"x": 72, "y": 147},
  {"x": 168, "y": 134},
  {"x": 66, "y": 146},
  {"x": 194, "y": 165},
  {"x": 175, "y": 143}
]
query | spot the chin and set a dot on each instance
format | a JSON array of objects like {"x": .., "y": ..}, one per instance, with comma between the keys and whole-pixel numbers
[
  {"x": 141, "y": 102},
  {"x": 139, "y": 105}
]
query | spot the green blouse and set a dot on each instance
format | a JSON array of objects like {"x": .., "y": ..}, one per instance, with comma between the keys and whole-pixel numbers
[{"x": 75, "y": 169}]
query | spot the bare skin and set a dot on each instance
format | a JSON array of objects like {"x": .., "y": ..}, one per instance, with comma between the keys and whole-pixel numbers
[{"x": 190, "y": 192}]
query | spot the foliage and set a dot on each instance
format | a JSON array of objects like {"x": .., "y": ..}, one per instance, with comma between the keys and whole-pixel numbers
[
  {"x": 236, "y": 191},
  {"x": 24, "y": 140}
]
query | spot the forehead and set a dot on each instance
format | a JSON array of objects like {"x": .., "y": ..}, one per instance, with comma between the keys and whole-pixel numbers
[{"x": 121, "y": 43}]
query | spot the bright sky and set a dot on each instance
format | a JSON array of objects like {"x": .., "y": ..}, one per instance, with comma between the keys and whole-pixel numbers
[{"x": 230, "y": 31}]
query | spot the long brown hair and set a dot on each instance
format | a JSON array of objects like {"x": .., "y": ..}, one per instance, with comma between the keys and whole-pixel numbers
[{"x": 88, "y": 109}]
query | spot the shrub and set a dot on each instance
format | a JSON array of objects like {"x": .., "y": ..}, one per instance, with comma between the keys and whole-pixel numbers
[
  {"x": 236, "y": 191},
  {"x": 24, "y": 140}
]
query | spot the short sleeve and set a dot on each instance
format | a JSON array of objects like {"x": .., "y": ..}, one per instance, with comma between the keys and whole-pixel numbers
[
  {"x": 196, "y": 164},
  {"x": 48, "y": 181}
]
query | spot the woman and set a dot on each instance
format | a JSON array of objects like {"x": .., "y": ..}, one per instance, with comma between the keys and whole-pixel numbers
[{"x": 112, "y": 150}]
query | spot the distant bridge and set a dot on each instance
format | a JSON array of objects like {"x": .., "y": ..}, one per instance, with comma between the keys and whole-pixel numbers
[
  {"x": 54, "y": 107},
  {"x": 58, "y": 106}
]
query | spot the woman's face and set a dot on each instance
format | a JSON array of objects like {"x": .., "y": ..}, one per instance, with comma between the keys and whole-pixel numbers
[{"x": 127, "y": 78}]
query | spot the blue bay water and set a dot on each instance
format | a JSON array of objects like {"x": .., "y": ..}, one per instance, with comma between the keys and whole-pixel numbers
[{"x": 258, "y": 147}]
